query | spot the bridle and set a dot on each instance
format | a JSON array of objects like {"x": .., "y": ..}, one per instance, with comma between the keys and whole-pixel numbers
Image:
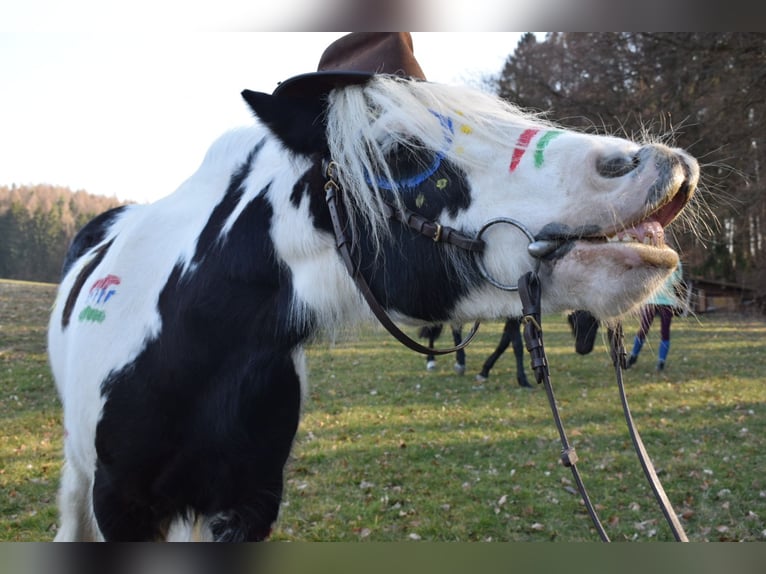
[
  {"x": 529, "y": 289},
  {"x": 433, "y": 230}
]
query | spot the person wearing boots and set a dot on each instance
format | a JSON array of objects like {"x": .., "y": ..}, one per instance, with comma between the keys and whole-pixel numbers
[{"x": 664, "y": 302}]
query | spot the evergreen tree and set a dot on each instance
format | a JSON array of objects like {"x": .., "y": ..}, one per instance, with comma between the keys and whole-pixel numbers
[{"x": 37, "y": 224}]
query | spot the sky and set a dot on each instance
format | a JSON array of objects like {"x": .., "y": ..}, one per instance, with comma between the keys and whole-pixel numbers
[{"x": 131, "y": 113}]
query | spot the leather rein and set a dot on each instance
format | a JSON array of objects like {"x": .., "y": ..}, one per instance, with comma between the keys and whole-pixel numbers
[{"x": 529, "y": 289}]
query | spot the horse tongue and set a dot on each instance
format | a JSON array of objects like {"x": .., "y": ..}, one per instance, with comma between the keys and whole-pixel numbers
[{"x": 649, "y": 232}]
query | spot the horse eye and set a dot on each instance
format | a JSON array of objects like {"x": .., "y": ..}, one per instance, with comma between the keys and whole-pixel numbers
[{"x": 616, "y": 165}]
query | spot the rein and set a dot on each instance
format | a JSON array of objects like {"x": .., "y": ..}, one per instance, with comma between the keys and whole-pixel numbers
[
  {"x": 618, "y": 358},
  {"x": 529, "y": 289}
]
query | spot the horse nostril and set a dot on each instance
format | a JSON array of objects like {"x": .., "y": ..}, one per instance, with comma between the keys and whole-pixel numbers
[{"x": 616, "y": 165}]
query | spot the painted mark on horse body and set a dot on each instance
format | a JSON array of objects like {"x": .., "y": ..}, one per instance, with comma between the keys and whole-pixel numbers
[
  {"x": 100, "y": 293},
  {"x": 92, "y": 315},
  {"x": 523, "y": 143},
  {"x": 82, "y": 277}
]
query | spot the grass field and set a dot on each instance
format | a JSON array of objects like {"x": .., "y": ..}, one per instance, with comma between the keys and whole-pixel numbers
[{"x": 389, "y": 452}]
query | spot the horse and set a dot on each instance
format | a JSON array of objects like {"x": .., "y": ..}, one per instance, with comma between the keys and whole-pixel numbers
[
  {"x": 583, "y": 325},
  {"x": 177, "y": 337}
]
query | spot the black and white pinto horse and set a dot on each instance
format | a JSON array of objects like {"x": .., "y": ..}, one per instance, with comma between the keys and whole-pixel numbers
[
  {"x": 583, "y": 325},
  {"x": 177, "y": 337}
]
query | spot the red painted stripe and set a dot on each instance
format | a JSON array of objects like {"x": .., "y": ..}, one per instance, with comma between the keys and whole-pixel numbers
[
  {"x": 521, "y": 147},
  {"x": 105, "y": 282}
]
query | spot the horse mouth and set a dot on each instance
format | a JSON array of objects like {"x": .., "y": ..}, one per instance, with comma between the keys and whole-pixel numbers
[{"x": 646, "y": 233}]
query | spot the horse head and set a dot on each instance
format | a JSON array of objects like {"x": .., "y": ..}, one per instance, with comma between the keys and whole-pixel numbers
[{"x": 589, "y": 211}]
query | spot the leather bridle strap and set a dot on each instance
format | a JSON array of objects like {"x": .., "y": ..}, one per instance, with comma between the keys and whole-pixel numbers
[
  {"x": 529, "y": 291},
  {"x": 433, "y": 229},
  {"x": 343, "y": 243},
  {"x": 617, "y": 348}
]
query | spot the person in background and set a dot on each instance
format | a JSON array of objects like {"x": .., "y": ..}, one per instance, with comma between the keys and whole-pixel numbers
[{"x": 663, "y": 302}]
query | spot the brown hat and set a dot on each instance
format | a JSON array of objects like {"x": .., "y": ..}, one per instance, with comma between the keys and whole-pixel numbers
[{"x": 354, "y": 59}]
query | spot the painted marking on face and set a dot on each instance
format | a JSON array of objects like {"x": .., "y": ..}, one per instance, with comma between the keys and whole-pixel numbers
[
  {"x": 417, "y": 179},
  {"x": 542, "y": 143},
  {"x": 522, "y": 144},
  {"x": 98, "y": 296},
  {"x": 521, "y": 147}
]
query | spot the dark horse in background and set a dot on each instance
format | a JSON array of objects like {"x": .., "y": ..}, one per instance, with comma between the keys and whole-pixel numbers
[{"x": 584, "y": 327}]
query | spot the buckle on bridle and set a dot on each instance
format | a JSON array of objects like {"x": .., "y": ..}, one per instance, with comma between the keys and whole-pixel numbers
[
  {"x": 438, "y": 232},
  {"x": 332, "y": 169},
  {"x": 529, "y": 319},
  {"x": 331, "y": 186}
]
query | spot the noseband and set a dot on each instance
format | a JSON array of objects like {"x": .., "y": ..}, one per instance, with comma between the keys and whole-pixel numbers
[{"x": 529, "y": 289}]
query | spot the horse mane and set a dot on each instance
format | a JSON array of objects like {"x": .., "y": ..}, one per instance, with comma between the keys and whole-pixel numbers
[{"x": 366, "y": 123}]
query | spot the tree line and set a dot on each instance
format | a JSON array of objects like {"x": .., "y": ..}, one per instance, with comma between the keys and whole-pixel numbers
[
  {"x": 37, "y": 224},
  {"x": 705, "y": 92}
]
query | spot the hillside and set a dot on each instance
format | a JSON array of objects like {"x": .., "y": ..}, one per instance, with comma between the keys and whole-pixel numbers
[{"x": 37, "y": 223}]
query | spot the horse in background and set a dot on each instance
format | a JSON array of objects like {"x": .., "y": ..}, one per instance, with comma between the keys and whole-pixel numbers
[{"x": 583, "y": 325}]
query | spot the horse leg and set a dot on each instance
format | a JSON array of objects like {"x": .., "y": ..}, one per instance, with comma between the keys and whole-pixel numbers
[
  {"x": 584, "y": 327},
  {"x": 518, "y": 351},
  {"x": 457, "y": 337},
  {"x": 119, "y": 517},
  {"x": 431, "y": 333},
  {"x": 430, "y": 358},
  {"x": 77, "y": 521},
  {"x": 505, "y": 340}
]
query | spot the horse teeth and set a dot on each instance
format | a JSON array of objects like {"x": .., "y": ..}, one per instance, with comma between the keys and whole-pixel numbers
[{"x": 648, "y": 239}]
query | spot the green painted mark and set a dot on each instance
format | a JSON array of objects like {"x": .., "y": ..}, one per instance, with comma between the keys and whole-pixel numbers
[
  {"x": 420, "y": 200},
  {"x": 542, "y": 144},
  {"x": 441, "y": 183},
  {"x": 91, "y": 314}
]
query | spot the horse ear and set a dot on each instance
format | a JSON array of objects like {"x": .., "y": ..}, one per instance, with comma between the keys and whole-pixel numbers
[{"x": 298, "y": 123}]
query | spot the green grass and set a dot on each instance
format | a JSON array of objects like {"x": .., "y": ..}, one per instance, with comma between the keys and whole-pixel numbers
[
  {"x": 389, "y": 452},
  {"x": 30, "y": 435}
]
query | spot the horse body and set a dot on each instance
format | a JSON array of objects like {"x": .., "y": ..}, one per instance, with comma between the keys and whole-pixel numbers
[
  {"x": 190, "y": 313},
  {"x": 176, "y": 340}
]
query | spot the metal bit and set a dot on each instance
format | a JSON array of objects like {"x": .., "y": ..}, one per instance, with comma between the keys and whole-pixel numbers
[{"x": 543, "y": 247}]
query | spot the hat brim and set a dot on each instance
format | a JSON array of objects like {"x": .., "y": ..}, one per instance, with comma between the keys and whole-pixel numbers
[{"x": 317, "y": 84}]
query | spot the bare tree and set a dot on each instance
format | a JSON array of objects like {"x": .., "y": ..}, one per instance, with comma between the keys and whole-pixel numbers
[{"x": 702, "y": 91}]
